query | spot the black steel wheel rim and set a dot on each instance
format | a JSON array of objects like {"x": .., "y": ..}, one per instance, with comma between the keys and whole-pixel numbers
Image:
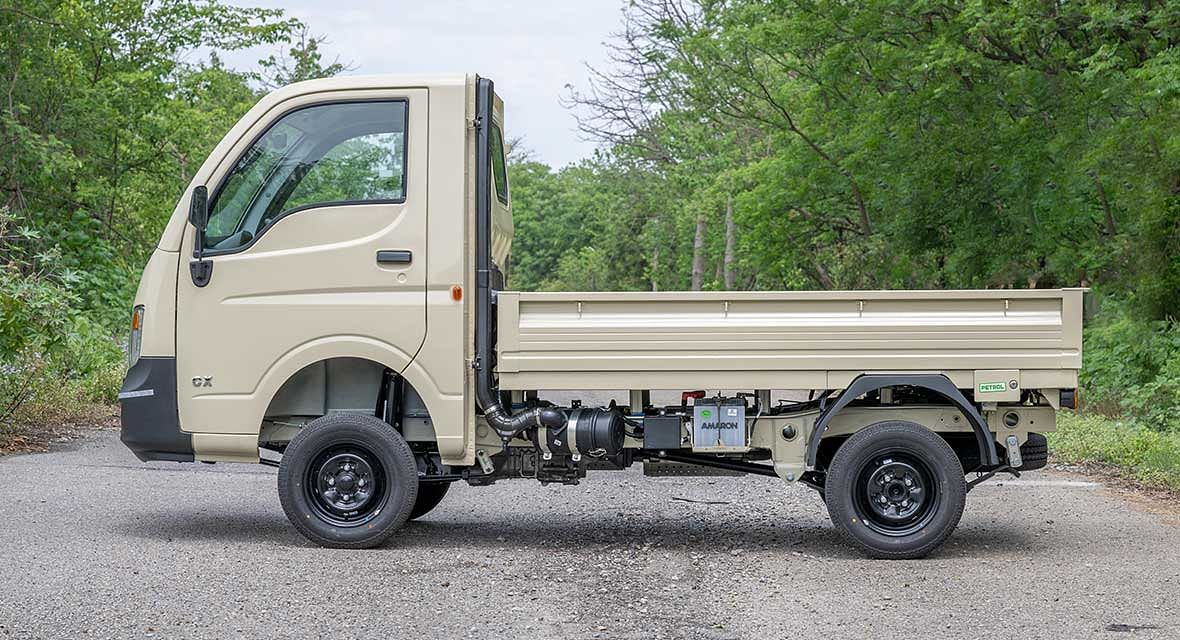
[
  {"x": 896, "y": 493},
  {"x": 346, "y": 485}
]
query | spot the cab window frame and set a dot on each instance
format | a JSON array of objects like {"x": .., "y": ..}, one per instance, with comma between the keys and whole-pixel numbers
[{"x": 225, "y": 178}]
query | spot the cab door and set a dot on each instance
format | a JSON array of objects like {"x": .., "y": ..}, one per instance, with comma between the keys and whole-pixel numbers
[{"x": 317, "y": 239}]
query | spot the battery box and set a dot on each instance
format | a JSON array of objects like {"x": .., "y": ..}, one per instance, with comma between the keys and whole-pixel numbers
[
  {"x": 719, "y": 424},
  {"x": 662, "y": 432}
]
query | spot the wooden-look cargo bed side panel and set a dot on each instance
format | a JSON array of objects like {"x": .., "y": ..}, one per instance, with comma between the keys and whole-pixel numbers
[{"x": 678, "y": 340}]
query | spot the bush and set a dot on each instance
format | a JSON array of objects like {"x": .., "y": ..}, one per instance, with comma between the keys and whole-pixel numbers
[
  {"x": 1132, "y": 367},
  {"x": 55, "y": 364},
  {"x": 1144, "y": 454},
  {"x": 35, "y": 299},
  {"x": 94, "y": 361}
]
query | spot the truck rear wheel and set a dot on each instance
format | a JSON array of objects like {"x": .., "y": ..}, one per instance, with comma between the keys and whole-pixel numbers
[
  {"x": 348, "y": 481},
  {"x": 895, "y": 490},
  {"x": 429, "y": 495}
]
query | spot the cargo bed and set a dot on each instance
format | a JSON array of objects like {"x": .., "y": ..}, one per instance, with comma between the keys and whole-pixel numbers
[{"x": 784, "y": 340}]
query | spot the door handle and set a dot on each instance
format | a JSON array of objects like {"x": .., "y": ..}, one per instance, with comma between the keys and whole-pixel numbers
[{"x": 394, "y": 256}]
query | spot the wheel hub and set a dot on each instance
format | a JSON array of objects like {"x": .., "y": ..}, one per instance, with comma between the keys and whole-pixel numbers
[
  {"x": 345, "y": 482},
  {"x": 895, "y": 494}
]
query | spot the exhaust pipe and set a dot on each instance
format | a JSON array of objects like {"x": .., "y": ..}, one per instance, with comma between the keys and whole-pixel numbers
[{"x": 487, "y": 392}]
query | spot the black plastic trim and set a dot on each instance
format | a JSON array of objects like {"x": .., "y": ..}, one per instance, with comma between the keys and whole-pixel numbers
[
  {"x": 151, "y": 422},
  {"x": 395, "y": 256},
  {"x": 937, "y": 383},
  {"x": 201, "y": 271}
]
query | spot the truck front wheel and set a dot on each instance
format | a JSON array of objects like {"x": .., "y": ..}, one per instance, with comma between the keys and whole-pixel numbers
[
  {"x": 348, "y": 481},
  {"x": 895, "y": 490}
]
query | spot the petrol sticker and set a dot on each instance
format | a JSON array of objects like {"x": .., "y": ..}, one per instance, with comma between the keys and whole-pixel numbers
[{"x": 992, "y": 387}]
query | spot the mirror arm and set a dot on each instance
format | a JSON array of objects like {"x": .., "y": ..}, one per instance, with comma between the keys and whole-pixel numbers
[{"x": 200, "y": 269}]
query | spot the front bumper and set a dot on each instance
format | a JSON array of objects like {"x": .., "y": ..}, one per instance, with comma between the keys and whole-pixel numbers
[{"x": 151, "y": 422}]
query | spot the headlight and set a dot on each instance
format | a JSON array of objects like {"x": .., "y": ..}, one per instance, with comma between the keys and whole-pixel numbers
[{"x": 134, "y": 343}]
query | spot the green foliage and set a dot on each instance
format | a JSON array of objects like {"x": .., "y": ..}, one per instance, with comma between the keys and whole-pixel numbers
[
  {"x": 887, "y": 144},
  {"x": 1132, "y": 367},
  {"x": 596, "y": 226},
  {"x": 107, "y": 110},
  {"x": 43, "y": 345},
  {"x": 35, "y": 297},
  {"x": 1146, "y": 455}
]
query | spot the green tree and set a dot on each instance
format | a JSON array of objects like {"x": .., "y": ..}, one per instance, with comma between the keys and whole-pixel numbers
[{"x": 107, "y": 108}]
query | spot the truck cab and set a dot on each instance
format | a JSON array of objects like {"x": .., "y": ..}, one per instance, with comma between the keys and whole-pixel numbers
[
  {"x": 329, "y": 298},
  {"x": 336, "y": 248}
]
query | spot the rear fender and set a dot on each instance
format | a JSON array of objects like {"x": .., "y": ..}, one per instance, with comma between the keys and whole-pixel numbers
[{"x": 937, "y": 383}]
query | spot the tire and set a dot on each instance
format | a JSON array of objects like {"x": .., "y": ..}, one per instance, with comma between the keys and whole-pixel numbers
[
  {"x": 348, "y": 481},
  {"x": 917, "y": 474},
  {"x": 429, "y": 495},
  {"x": 1034, "y": 453}
]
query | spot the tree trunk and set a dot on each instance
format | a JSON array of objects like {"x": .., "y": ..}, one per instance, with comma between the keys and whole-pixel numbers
[
  {"x": 1107, "y": 213},
  {"x": 730, "y": 242},
  {"x": 698, "y": 254},
  {"x": 655, "y": 269},
  {"x": 821, "y": 272}
]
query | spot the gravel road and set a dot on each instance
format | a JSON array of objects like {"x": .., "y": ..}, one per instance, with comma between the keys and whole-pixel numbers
[{"x": 94, "y": 544}]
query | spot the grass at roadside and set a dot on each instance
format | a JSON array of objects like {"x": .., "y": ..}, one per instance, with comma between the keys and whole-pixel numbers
[
  {"x": 28, "y": 434},
  {"x": 39, "y": 405},
  {"x": 1144, "y": 455}
]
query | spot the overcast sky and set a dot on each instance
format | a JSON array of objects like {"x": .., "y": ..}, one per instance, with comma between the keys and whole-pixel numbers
[{"x": 531, "y": 48}]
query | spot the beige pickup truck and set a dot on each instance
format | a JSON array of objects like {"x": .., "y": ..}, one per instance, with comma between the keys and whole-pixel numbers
[{"x": 329, "y": 298}]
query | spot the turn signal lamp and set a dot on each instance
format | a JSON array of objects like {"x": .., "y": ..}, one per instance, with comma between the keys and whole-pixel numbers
[{"x": 135, "y": 342}]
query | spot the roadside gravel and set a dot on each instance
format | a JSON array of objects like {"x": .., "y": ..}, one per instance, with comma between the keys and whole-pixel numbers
[{"x": 94, "y": 544}]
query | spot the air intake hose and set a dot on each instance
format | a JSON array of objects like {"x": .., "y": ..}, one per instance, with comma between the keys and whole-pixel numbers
[{"x": 508, "y": 425}]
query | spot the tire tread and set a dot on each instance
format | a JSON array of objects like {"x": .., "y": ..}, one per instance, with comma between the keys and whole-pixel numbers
[{"x": 893, "y": 431}]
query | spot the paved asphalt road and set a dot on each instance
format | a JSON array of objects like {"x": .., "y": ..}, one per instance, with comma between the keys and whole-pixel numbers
[{"x": 94, "y": 544}]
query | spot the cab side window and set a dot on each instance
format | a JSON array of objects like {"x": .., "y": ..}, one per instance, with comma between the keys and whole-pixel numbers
[
  {"x": 331, "y": 154},
  {"x": 499, "y": 168}
]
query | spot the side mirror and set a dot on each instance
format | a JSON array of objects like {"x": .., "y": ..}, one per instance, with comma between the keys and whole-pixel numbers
[{"x": 198, "y": 210}]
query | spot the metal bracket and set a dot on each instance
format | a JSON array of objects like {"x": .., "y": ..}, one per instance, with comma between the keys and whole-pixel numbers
[
  {"x": 980, "y": 478},
  {"x": 485, "y": 462},
  {"x": 1014, "y": 459}
]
